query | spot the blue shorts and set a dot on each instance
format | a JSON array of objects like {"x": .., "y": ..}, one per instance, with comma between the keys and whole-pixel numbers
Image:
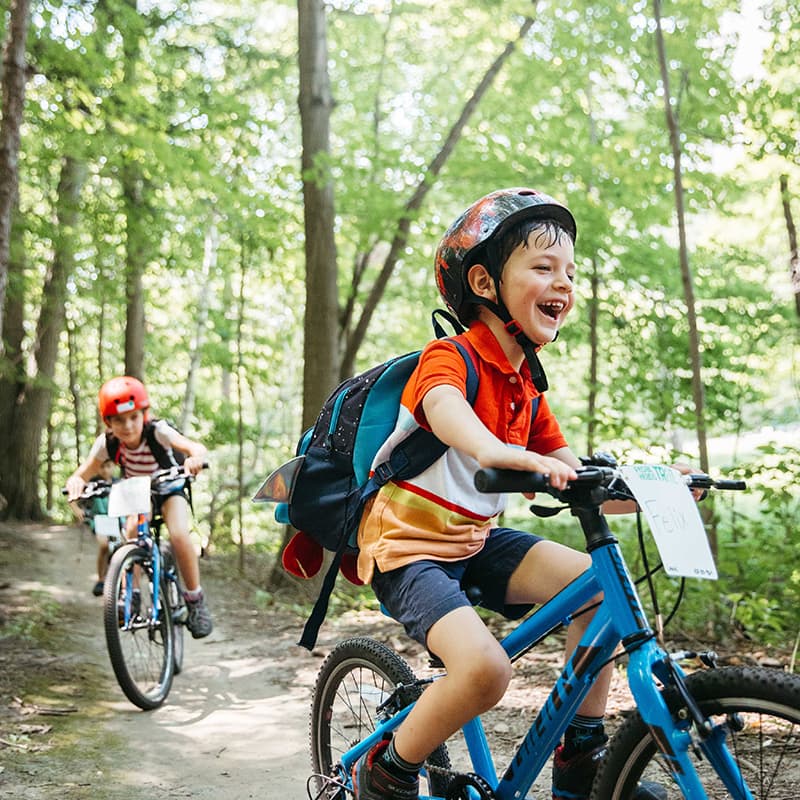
[{"x": 421, "y": 593}]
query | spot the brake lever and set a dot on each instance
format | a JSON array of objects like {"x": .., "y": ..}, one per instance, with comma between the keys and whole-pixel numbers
[{"x": 546, "y": 511}]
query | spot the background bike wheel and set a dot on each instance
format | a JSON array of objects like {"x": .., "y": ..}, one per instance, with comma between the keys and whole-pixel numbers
[
  {"x": 763, "y": 738},
  {"x": 357, "y": 676},
  {"x": 175, "y": 598},
  {"x": 141, "y": 651}
]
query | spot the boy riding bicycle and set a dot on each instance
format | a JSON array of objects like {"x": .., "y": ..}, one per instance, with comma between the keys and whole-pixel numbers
[
  {"x": 142, "y": 446},
  {"x": 506, "y": 269}
]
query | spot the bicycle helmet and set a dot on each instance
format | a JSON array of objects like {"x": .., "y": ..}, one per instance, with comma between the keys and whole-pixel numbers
[
  {"x": 483, "y": 222},
  {"x": 122, "y": 394}
]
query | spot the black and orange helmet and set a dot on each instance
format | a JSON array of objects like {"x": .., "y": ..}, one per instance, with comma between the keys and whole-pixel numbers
[
  {"x": 482, "y": 221},
  {"x": 122, "y": 394}
]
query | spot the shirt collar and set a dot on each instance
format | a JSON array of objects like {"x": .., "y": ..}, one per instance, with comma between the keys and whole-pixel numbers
[{"x": 488, "y": 348}]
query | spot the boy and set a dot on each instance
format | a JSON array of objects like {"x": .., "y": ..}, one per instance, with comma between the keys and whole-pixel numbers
[
  {"x": 505, "y": 268},
  {"x": 142, "y": 446}
]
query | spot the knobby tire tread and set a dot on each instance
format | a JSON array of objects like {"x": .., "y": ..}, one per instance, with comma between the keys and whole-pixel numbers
[{"x": 774, "y": 693}]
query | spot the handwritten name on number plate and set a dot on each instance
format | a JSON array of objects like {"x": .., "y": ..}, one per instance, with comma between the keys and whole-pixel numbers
[{"x": 671, "y": 513}]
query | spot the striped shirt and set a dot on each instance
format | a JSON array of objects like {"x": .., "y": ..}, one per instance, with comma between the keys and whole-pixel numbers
[
  {"x": 139, "y": 460},
  {"x": 439, "y": 514}
]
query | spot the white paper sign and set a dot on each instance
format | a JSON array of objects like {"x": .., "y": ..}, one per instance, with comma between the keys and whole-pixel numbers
[
  {"x": 671, "y": 513},
  {"x": 131, "y": 496},
  {"x": 105, "y": 526}
]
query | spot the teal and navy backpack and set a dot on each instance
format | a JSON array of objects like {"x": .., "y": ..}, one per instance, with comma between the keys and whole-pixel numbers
[{"x": 322, "y": 491}]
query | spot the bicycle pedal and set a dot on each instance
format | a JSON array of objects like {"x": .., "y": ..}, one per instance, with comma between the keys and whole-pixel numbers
[
  {"x": 180, "y": 615},
  {"x": 332, "y": 788}
]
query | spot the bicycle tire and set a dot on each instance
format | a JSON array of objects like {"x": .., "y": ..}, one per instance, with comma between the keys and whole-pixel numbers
[
  {"x": 174, "y": 600},
  {"x": 141, "y": 652},
  {"x": 767, "y": 748},
  {"x": 357, "y": 676}
]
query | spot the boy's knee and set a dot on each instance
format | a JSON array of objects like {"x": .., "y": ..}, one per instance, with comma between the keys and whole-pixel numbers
[{"x": 488, "y": 676}]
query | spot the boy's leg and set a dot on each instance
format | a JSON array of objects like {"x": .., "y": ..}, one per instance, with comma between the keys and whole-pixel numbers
[
  {"x": 546, "y": 569},
  {"x": 175, "y": 511},
  {"x": 478, "y": 672}
]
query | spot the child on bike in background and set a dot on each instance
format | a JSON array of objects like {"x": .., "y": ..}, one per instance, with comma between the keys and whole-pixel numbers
[
  {"x": 506, "y": 269},
  {"x": 142, "y": 446},
  {"x": 99, "y": 506}
]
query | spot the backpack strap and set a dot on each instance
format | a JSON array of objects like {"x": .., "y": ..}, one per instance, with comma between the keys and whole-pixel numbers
[{"x": 414, "y": 455}]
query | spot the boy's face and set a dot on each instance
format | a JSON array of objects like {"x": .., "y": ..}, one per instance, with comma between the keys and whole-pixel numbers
[
  {"x": 127, "y": 427},
  {"x": 537, "y": 285}
]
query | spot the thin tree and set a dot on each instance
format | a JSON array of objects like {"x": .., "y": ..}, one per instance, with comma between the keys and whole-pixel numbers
[
  {"x": 14, "y": 80},
  {"x": 673, "y": 126},
  {"x": 791, "y": 231}
]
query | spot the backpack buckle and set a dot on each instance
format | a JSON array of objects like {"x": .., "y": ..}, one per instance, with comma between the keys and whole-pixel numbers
[{"x": 383, "y": 473}]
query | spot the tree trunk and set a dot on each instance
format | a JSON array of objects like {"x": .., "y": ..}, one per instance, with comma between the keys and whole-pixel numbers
[
  {"x": 209, "y": 265},
  {"x": 698, "y": 390},
  {"x": 19, "y": 474},
  {"x": 135, "y": 263},
  {"x": 13, "y": 83},
  {"x": 794, "y": 256},
  {"x": 321, "y": 363}
]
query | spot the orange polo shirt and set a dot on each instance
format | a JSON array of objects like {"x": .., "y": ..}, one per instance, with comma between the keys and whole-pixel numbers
[{"x": 438, "y": 513}]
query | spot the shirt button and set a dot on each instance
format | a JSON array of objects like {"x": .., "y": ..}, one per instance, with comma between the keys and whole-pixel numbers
[{"x": 512, "y": 379}]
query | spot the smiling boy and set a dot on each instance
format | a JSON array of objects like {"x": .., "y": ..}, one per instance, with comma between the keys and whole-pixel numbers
[{"x": 506, "y": 269}]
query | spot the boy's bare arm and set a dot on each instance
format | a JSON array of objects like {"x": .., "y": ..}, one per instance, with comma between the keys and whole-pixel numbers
[
  {"x": 454, "y": 422},
  {"x": 80, "y": 477},
  {"x": 195, "y": 451}
]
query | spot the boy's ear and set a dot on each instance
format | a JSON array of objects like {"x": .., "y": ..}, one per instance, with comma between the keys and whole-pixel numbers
[{"x": 481, "y": 282}]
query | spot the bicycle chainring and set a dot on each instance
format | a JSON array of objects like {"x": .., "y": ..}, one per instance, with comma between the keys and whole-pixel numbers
[{"x": 459, "y": 785}]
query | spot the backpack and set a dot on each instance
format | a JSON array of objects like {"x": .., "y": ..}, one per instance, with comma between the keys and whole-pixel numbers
[{"x": 323, "y": 490}]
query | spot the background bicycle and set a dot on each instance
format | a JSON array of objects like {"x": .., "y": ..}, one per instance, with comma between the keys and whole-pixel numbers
[
  {"x": 717, "y": 733},
  {"x": 144, "y": 610}
]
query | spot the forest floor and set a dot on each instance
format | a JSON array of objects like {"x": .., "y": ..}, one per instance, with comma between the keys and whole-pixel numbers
[{"x": 235, "y": 725}]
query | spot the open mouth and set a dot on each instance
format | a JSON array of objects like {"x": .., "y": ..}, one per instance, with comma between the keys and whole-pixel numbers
[{"x": 552, "y": 310}]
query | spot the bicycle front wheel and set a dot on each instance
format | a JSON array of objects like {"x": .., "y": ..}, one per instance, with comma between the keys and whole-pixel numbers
[
  {"x": 139, "y": 631},
  {"x": 759, "y": 711},
  {"x": 357, "y": 677}
]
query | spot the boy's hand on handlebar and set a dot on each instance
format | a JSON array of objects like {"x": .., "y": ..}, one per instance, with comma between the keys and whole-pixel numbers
[
  {"x": 685, "y": 469},
  {"x": 194, "y": 464},
  {"x": 505, "y": 457},
  {"x": 74, "y": 486}
]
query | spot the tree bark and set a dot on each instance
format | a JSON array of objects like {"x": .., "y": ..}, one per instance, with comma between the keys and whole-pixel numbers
[
  {"x": 19, "y": 474},
  {"x": 13, "y": 83},
  {"x": 320, "y": 329},
  {"x": 791, "y": 230},
  {"x": 698, "y": 390}
]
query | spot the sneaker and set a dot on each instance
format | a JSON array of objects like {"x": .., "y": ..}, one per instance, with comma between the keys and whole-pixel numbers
[
  {"x": 198, "y": 620},
  {"x": 372, "y": 781},
  {"x": 97, "y": 589},
  {"x": 573, "y": 777}
]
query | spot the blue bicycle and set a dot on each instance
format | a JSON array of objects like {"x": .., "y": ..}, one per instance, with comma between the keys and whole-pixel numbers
[
  {"x": 143, "y": 607},
  {"x": 731, "y": 732}
]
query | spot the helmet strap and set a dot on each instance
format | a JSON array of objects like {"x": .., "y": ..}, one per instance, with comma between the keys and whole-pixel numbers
[{"x": 514, "y": 329}]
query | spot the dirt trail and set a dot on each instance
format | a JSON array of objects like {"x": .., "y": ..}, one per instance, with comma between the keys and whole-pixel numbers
[{"x": 235, "y": 723}]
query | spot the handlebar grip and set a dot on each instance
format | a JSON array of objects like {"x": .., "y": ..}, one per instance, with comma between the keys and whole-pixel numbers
[
  {"x": 510, "y": 480},
  {"x": 730, "y": 484}
]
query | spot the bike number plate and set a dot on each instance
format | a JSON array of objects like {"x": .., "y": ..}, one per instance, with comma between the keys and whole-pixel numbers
[
  {"x": 105, "y": 526},
  {"x": 671, "y": 513},
  {"x": 131, "y": 496}
]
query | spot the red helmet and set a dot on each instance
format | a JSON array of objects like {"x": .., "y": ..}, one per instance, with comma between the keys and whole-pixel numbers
[
  {"x": 483, "y": 220},
  {"x": 122, "y": 394}
]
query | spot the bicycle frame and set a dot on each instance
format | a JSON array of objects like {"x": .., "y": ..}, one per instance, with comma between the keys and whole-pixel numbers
[
  {"x": 149, "y": 541},
  {"x": 619, "y": 618}
]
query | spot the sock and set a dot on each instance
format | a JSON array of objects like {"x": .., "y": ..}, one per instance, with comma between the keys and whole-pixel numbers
[
  {"x": 397, "y": 765},
  {"x": 583, "y": 733},
  {"x": 194, "y": 595}
]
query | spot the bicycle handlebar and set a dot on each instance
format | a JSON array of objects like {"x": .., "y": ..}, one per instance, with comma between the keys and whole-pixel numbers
[{"x": 490, "y": 479}]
